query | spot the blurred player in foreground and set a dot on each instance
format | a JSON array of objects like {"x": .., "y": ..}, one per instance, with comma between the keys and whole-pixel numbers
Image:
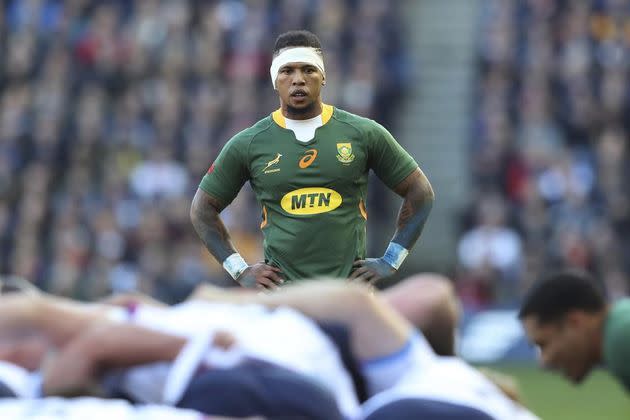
[
  {"x": 94, "y": 408},
  {"x": 396, "y": 363},
  {"x": 567, "y": 317}
]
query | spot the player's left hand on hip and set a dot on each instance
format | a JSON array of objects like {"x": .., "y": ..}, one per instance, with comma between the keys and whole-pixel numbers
[{"x": 371, "y": 270}]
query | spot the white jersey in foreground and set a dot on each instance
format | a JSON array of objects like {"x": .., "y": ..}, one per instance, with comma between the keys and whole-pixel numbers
[
  {"x": 23, "y": 383},
  {"x": 450, "y": 379},
  {"x": 282, "y": 336},
  {"x": 88, "y": 408}
]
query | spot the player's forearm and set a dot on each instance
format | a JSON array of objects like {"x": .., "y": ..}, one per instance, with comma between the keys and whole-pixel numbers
[
  {"x": 376, "y": 329},
  {"x": 329, "y": 296},
  {"x": 59, "y": 319},
  {"x": 20, "y": 312},
  {"x": 418, "y": 197},
  {"x": 106, "y": 345},
  {"x": 116, "y": 345},
  {"x": 204, "y": 215}
]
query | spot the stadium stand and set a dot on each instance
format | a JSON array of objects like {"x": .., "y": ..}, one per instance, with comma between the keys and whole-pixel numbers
[{"x": 549, "y": 152}]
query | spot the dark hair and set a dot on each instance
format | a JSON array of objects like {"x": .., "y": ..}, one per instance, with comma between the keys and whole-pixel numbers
[
  {"x": 299, "y": 38},
  {"x": 552, "y": 298}
]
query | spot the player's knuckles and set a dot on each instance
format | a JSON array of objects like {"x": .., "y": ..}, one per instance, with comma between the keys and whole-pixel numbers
[{"x": 266, "y": 282}]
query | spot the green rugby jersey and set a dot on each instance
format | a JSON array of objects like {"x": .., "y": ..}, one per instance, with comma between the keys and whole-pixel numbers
[
  {"x": 617, "y": 341},
  {"x": 312, "y": 194}
]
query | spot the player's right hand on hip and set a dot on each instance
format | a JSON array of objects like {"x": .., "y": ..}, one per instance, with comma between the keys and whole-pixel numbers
[{"x": 261, "y": 276}]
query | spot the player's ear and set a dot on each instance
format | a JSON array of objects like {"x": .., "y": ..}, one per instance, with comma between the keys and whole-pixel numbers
[{"x": 575, "y": 318}]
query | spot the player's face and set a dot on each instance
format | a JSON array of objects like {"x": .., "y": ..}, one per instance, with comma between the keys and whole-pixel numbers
[
  {"x": 299, "y": 86},
  {"x": 563, "y": 345}
]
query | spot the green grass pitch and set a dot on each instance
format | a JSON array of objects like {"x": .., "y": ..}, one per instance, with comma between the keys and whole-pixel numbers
[{"x": 552, "y": 398}]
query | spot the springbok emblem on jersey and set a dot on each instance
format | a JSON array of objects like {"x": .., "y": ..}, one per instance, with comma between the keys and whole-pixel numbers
[
  {"x": 344, "y": 153},
  {"x": 272, "y": 162}
]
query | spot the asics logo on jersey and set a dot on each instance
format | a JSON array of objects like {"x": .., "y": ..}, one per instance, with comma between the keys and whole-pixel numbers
[
  {"x": 309, "y": 158},
  {"x": 312, "y": 200},
  {"x": 272, "y": 162}
]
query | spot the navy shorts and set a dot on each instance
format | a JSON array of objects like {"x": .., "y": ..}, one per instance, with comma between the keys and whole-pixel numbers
[
  {"x": 259, "y": 389},
  {"x": 420, "y": 408}
]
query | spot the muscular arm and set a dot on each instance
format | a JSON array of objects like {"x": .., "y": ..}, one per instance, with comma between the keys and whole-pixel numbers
[
  {"x": 204, "y": 214},
  {"x": 59, "y": 319},
  {"x": 376, "y": 329},
  {"x": 119, "y": 345},
  {"x": 418, "y": 197},
  {"x": 418, "y": 200},
  {"x": 105, "y": 346}
]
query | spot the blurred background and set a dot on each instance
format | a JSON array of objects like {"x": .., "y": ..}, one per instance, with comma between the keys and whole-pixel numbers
[{"x": 517, "y": 110}]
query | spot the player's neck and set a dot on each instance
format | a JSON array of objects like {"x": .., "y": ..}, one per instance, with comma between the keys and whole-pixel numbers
[
  {"x": 307, "y": 113},
  {"x": 598, "y": 339}
]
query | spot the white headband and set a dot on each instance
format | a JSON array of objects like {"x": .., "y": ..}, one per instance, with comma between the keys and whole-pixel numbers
[{"x": 296, "y": 55}]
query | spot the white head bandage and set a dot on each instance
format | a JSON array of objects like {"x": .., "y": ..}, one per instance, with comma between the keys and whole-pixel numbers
[{"x": 296, "y": 55}]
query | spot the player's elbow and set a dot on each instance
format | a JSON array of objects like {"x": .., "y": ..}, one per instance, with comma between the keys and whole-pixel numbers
[
  {"x": 420, "y": 191},
  {"x": 427, "y": 192},
  {"x": 194, "y": 212}
]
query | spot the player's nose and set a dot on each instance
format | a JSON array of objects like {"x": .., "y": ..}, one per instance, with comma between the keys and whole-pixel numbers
[{"x": 298, "y": 78}]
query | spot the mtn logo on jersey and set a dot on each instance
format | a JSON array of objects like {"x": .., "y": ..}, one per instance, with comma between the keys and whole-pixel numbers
[{"x": 312, "y": 200}]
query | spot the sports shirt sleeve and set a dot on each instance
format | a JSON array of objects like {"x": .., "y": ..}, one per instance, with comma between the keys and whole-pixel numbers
[
  {"x": 229, "y": 172},
  {"x": 617, "y": 344},
  {"x": 389, "y": 161}
]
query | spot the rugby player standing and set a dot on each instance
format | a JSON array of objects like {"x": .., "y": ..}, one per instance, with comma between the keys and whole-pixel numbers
[{"x": 308, "y": 165}]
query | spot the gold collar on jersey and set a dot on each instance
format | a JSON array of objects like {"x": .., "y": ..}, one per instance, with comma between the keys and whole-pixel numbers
[{"x": 327, "y": 111}]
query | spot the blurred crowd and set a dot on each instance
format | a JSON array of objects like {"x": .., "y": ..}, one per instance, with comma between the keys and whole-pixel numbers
[
  {"x": 549, "y": 150},
  {"x": 112, "y": 111}
]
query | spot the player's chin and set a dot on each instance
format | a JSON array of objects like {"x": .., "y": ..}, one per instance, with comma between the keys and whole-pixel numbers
[{"x": 576, "y": 377}]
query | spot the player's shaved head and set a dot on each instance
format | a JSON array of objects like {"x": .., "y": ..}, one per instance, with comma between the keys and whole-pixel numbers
[
  {"x": 428, "y": 301},
  {"x": 299, "y": 38},
  {"x": 552, "y": 298}
]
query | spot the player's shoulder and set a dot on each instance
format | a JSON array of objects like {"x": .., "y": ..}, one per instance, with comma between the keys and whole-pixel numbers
[
  {"x": 359, "y": 122},
  {"x": 344, "y": 116},
  {"x": 617, "y": 327},
  {"x": 621, "y": 308},
  {"x": 247, "y": 135}
]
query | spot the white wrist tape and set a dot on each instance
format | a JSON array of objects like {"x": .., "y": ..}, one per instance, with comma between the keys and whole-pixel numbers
[
  {"x": 235, "y": 265},
  {"x": 296, "y": 55},
  {"x": 395, "y": 254}
]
